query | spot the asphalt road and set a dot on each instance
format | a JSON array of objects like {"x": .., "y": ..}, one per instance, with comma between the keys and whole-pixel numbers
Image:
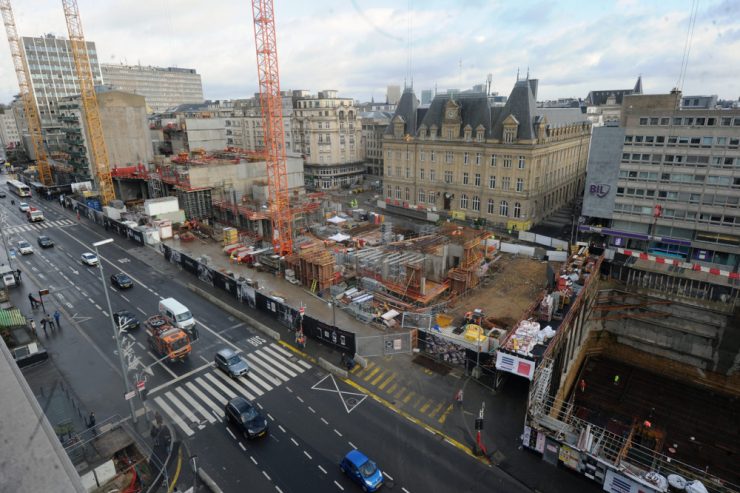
[{"x": 314, "y": 419}]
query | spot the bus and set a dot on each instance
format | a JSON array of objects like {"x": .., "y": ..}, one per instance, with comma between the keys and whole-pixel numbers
[{"x": 18, "y": 188}]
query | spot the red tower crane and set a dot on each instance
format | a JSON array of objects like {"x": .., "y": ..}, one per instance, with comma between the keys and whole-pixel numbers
[{"x": 263, "y": 12}]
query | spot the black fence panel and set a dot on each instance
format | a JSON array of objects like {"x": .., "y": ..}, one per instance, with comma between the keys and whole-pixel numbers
[
  {"x": 331, "y": 336},
  {"x": 189, "y": 264}
]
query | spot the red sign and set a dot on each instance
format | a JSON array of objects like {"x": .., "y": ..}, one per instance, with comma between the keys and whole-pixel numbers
[
  {"x": 302, "y": 310},
  {"x": 140, "y": 384}
]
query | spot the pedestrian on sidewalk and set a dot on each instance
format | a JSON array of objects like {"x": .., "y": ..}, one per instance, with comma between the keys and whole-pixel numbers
[
  {"x": 33, "y": 326},
  {"x": 43, "y": 325},
  {"x": 57, "y": 316},
  {"x": 582, "y": 385},
  {"x": 91, "y": 422},
  {"x": 33, "y": 301},
  {"x": 18, "y": 274},
  {"x": 459, "y": 397},
  {"x": 50, "y": 322}
]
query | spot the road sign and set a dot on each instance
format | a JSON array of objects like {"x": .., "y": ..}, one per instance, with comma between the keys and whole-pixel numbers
[
  {"x": 130, "y": 395},
  {"x": 140, "y": 384}
]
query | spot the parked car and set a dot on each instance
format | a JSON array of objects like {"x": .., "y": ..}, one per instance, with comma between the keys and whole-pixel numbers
[
  {"x": 126, "y": 320},
  {"x": 2, "y": 195},
  {"x": 89, "y": 259},
  {"x": 121, "y": 281},
  {"x": 45, "y": 242},
  {"x": 25, "y": 247},
  {"x": 246, "y": 417},
  {"x": 23, "y": 206},
  {"x": 362, "y": 470},
  {"x": 231, "y": 363}
]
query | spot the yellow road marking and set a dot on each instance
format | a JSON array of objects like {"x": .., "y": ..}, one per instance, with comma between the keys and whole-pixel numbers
[
  {"x": 425, "y": 406},
  {"x": 353, "y": 370},
  {"x": 370, "y": 364},
  {"x": 419, "y": 401},
  {"x": 177, "y": 471},
  {"x": 387, "y": 381},
  {"x": 371, "y": 374},
  {"x": 436, "y": 410},
  {"x": 443, "y": 418},
  {"x": 408, "y": 397},
  {"x": 392, "y": 388},
  {"x": 378, "y": 378},
  {"x": 298, "y": 352},
  {"x": 458, "y": 445},
  {"x": 400, "y": 392}
]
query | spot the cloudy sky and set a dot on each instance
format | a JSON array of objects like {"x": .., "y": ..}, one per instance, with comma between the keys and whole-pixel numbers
[{"x": 361, "y": 46}]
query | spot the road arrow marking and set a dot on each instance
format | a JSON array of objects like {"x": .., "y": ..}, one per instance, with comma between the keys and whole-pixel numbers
[
  {"x": 76, "y": 272},
  {"x": 79, "y": 318}
]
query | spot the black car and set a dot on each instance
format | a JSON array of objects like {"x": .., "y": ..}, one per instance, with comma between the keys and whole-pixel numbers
[
  {"x": 45, "y": 242},
  {"x": 245, "y": 416},
  {"x": 121, "y": 281},
  {"x": 126, "y": 320}
]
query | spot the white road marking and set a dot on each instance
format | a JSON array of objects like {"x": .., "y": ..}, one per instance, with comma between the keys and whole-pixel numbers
[
  {"x": 196, "y": 405},
  {"x": 324, "y": 421},
  {"x": 122, "y": 296},
  {"x": 182, "y": 407},
  {"x": 231, "y": 433},
  {"x": 294, "y": 442},
  {"x": 281, "y": 428},
  {"x": 221, "y": 386},
  {"x": 270, "y": 416},
  {"x": 241, "y": 445},
  {"x": 299, "y": 398},
  {"x": 337, "y": 432},
  {"x": 105, "y": 313},
  {"x": 311, "y": 409},
  {"x": 98, "y": 306},
  {"x": 142, "y": 346},
  {"x": 142, "y": 311},
  {"x": 387, "y": 475},
  {"x": 322, "y": 469},
  {"x": 405, "y": 490},
  {"x": 221, "y": 399},
  {"x": 253, "y": 460},
  {"x": 241, "y": 390},
  {"x": 258, "y": 380},
  {"x": 168, "y": 410},
  {"x": 352, "y": 445},
  {"x": 267, "y": 475},
  {"x": 307, "y": 455},
  {"x": 338, "y": 485},
  {"x": 277, "y": 362},
  {"x": 278, "y": 489},
  {"x": 161, "y": 364},
  {"x": 270, "y": 350},
  {"x": 265, "y": 370},
  {"x": 195, "y": 390}
]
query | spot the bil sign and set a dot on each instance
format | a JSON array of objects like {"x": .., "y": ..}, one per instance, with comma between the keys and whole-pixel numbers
[{"x": 601, "y": 190}]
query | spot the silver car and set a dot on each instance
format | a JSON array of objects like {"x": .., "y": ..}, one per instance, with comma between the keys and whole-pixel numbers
[{"x": 231, "y": 363}]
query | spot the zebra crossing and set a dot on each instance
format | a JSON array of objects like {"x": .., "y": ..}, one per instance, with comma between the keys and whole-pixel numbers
[
  {"x": 39, "y": 226},
  {"x": 200, "y": 401}
]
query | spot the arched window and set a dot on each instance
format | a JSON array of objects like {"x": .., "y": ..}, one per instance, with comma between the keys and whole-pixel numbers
[
  {"x": 517, "y": 209},
  {"x": 476, "y": 203},
  {"x": 503, "y": 209},
  {"x": 464, "y": 201},
  {"x": 491, "y": 205}
]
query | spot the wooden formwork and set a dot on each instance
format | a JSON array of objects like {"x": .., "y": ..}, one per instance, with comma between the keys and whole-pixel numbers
[{"x": 317, "y": 265}]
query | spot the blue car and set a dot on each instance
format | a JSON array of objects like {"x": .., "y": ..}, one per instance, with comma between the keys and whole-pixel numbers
[{"x": 362, "y": 470}]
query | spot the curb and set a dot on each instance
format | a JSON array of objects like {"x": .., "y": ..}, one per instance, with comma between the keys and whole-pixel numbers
[
  {"x": 236, "y": 313},
  {"x": 333, "y": 368},
  {"x": 210, "y": 483}
]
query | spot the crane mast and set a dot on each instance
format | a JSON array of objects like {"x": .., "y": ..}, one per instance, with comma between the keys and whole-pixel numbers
[
  {"x": 33, "y": 118},
  {"x": 271, "y": 104},
  {"x": 96, "y": 139}
]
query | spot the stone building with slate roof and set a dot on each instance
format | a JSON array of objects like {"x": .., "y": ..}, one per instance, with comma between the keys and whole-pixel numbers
[
  {"x": 511, "y": 165},
  {"x": 605, "y": 107}
]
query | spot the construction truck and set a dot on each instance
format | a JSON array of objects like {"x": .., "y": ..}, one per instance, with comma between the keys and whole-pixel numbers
[
  {"x": 33, "y": 214},
  {"x": 166, "y": 340}
]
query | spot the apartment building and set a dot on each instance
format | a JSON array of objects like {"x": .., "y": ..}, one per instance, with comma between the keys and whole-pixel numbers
[
  {"x": 512, "y": 165},
  {"x": 604, "y": 107},
  {"x": 53, "y": 77},
  {"x": 8, "y": 127},
  {"x": 671, "y": 183},
  {"x": 374, "y": 124},
  {"x": 327, "y": 132},
  {"x": 244, "y": 128},
  {"x": 162, "y": 87}
]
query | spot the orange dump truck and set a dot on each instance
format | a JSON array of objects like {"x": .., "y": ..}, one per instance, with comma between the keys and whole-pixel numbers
[{"x": 166, "y": 340}]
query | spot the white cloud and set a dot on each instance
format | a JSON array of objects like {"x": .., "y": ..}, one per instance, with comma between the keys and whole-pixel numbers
[{"x": 359, "y": 47}]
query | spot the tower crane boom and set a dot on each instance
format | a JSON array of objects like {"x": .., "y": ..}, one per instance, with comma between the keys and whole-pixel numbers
[
  {"x": 271, "y": 104},
  {"x": 95, "y": 137},
  {"x": 33, "y": 118}
]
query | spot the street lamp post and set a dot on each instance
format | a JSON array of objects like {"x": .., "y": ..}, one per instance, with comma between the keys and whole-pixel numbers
[{"x": 116, "y": 332}]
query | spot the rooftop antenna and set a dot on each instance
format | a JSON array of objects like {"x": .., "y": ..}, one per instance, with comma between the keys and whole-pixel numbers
[
  {"x": 489, "y": 79},
  {"x": 527, "y": 72},
  {"x": 517, "y": 74}
]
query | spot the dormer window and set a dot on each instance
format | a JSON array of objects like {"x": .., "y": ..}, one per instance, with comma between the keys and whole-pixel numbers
[
  {"x": 479, "y": 136},
  {"x": 468, "y": 133},
  {"x": 509, "y": 135},
  {"x": 449, "y": 134}
]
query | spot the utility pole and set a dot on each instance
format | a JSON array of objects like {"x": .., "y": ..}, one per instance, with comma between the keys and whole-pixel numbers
[{"x": 3, "y": 229}]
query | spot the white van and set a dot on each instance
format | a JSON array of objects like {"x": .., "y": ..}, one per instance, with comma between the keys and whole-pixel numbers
[
  {"x": 178, "y": 315},
  {"x": 8, "y": 276}
]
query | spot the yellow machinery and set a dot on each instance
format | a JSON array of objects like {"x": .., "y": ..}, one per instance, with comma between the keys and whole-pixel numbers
[
  {"x": 29, "y": 101},
  {"x": 96, "y": 140}
]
